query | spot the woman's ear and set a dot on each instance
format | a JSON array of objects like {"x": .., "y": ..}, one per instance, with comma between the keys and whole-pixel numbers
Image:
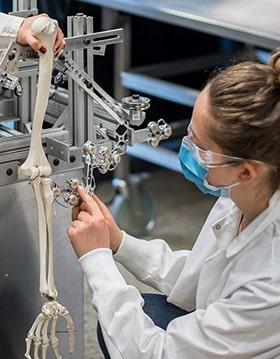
[{"x": 248, "y": 173}]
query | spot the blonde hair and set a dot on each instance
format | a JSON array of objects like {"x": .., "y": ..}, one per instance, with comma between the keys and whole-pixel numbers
[{"x": 245, "y": 103}]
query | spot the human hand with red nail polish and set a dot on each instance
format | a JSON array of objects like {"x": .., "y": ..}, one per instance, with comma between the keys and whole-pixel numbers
[{"x": 25, "y": 37}]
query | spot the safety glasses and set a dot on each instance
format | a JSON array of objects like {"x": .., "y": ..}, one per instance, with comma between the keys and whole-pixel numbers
[{"x": 207, "y": 158}]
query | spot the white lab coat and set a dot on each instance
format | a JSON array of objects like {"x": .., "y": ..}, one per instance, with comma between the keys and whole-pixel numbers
[
  {"x": 232, "y": 281},
  {"x": 9, "y": 26}
]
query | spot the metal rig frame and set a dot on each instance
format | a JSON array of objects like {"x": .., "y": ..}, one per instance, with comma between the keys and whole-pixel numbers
[{"x": 88, "y": 128}]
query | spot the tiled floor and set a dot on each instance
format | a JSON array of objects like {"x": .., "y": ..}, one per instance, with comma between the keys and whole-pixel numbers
[{"x": 181, "y": 211}]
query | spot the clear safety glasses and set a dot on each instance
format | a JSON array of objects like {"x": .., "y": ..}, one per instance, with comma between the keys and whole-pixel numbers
[{"x": 207, "y": 158}]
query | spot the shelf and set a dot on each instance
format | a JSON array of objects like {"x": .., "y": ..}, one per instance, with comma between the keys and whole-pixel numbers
[{"x": 255, "y": 22}]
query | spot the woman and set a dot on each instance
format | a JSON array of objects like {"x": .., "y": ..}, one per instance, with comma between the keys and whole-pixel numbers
[
  {"x": 19, "y": 29},
  {"x": 230, "y": 282}
]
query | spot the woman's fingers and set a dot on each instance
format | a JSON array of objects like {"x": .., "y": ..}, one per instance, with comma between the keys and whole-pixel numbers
[
  {"x": 102, "y": 206},
  {"x": 76, "y": 224},
  {"x": 86, "y": 206},
  {"x": 89, "y": 205},
  {"x": 33, "y": 42},
  {"x": 84, "y": 216},
  {"x": 25, "y": 36},
  {"x": 75, "y": 211},
  {"x": 84, "y": 194},
  {"x": 59, "y": 42}
]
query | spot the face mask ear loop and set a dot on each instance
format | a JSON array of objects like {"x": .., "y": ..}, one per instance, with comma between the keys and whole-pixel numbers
[{"x": 225, "y": 190}]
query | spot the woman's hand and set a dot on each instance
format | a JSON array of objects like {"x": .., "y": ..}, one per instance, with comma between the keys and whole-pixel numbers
[
  {"x": 25, "y": 37},
  {"x": 93, "y": 226}
]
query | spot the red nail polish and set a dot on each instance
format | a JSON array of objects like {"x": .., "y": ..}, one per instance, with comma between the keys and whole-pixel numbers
[{"x": 43, "y": 50}]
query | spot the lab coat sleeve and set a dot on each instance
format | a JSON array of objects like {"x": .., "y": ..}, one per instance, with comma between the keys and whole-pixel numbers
[
  {"x": 235, "y": 327},
  {"x": 9, "y": 26},
  {"x": 152, "y": 262}
]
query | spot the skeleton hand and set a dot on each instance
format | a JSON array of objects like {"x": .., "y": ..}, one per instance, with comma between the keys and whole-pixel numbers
[
  {"x": 51, "y": 311},
  {"x": 25, "y": 36}
]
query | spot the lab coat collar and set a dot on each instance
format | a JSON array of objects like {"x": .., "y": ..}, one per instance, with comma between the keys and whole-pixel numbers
[{"x": 226, "y": 227}]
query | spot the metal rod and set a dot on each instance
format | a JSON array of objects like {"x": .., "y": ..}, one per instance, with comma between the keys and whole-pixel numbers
[
  {"x": 91, "y": 133},
  {"x": 70, "y": 123},
  {"x": 110, "y": 19},
  {"x": 79, "y": 95}
]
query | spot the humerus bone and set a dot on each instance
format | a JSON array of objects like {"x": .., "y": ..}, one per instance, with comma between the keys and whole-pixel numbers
[
  {"x": 35, "y": 168},
  {"x": 36, "y": 163}
]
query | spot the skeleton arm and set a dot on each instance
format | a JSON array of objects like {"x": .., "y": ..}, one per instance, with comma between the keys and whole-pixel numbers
[{"x": 35, "y": 168}]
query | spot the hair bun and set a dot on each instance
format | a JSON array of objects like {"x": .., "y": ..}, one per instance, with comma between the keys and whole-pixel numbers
[
  {"x": 274, "y": 76},
  {"x": 275, "y": 61}
]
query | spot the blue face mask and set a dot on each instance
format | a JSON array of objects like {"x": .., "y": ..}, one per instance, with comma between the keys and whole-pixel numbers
[{"x": 194, "y": 172}]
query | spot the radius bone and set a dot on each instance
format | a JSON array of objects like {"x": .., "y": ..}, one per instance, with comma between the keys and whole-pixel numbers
[
  {"x": 48, "y": 198},
  {"x": 43, "y": 240}
]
